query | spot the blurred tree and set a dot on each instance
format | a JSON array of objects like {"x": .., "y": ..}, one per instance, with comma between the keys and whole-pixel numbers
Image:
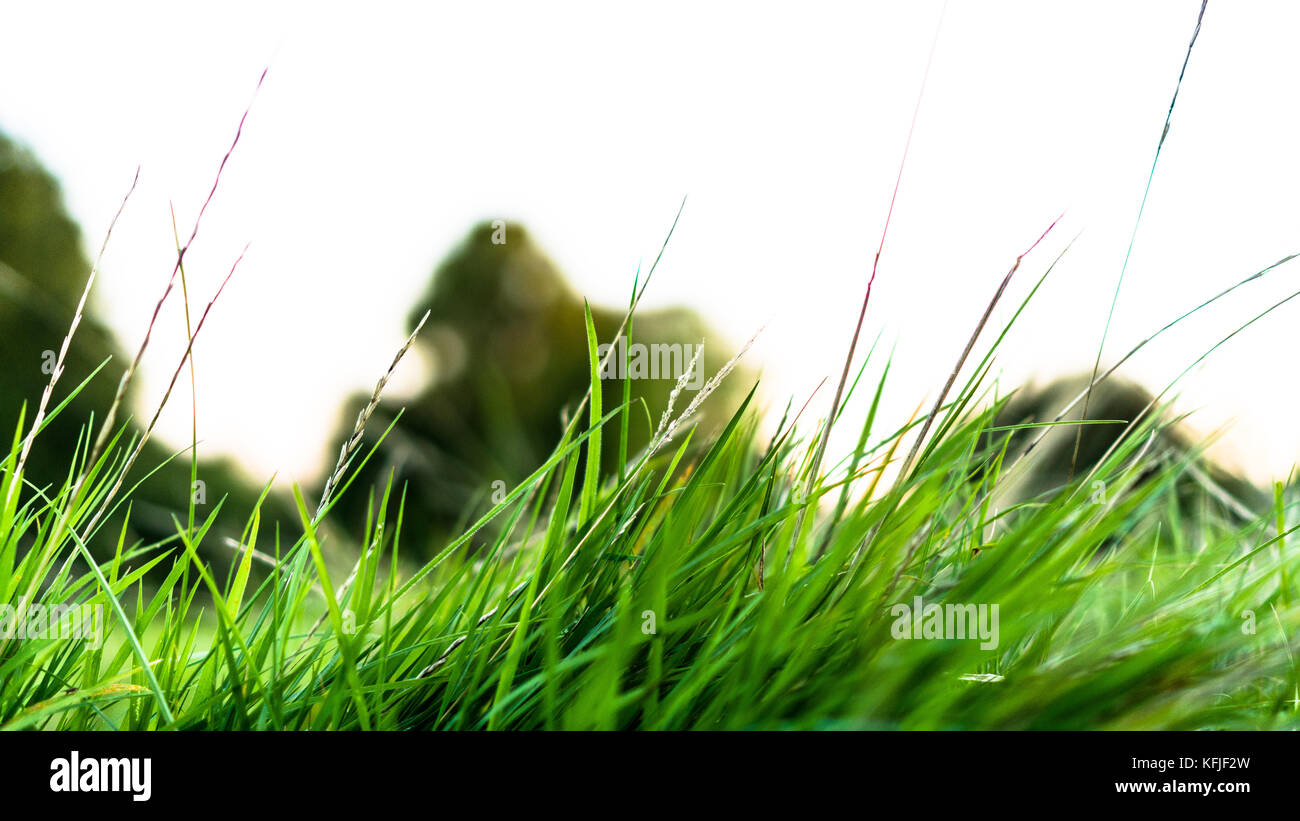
[
  {"x": 508, "y": 342},
  {"x": 1050, "y": 464}
]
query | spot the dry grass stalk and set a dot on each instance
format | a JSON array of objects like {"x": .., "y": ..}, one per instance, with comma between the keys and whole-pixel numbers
[
  {"x": 665, "y": 433},
  {"x": 139, "y": 445},
  {"x": 72, "y": 330},
  {"x": 106, "y": 428},
  {"x": 349, "y": 448},
  {"x": 358, "y": 430}
]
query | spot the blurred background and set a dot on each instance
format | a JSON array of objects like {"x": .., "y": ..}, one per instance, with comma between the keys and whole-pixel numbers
[{"x": 383, "y": 136}]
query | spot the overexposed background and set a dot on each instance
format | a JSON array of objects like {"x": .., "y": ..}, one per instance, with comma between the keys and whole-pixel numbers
[{"x": 384, "y": 131}]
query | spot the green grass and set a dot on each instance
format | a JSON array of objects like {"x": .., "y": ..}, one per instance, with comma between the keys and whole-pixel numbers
[
  {"x": 722, "y": 584},
  {"x": 683, "y": 592}
]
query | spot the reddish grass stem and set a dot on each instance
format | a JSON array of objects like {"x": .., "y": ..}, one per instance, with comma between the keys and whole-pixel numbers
[{"x": 866, "y": 299}]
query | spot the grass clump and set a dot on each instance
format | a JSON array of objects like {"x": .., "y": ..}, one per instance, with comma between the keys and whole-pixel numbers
[
  {"x": 722, "y": 584},
  {"x": 705, "y": 585}
]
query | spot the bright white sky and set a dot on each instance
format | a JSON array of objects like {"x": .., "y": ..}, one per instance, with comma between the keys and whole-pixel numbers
[{"x": 383, "y": 132}]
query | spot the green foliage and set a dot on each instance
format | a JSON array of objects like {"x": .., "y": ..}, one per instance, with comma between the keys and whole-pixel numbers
[{"x": 672, "y": 593}]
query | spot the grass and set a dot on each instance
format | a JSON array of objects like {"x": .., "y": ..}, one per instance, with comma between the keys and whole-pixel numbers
[
  {"x": 722, "y": 584},
  {"x": 684, "y": 592}
]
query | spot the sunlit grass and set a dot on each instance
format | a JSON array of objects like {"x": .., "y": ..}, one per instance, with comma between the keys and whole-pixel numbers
[{"x": 682, "y": 592}]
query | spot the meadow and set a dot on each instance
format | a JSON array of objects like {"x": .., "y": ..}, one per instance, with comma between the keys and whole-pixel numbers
[
  {"x": 730, "y": 583},
  {"x": 719, "y": 580}
]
